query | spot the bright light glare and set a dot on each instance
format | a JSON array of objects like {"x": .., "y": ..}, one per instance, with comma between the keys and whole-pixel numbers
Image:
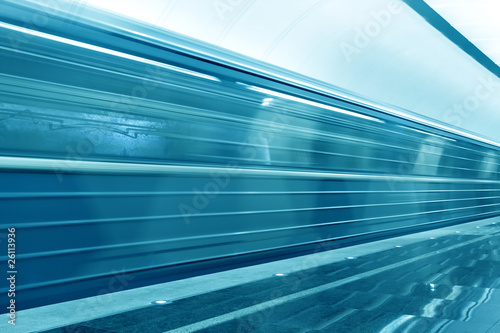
[
  {"x": 429, "y": 310},
  {"x": 396, "y": 323},
  {"x": 391, "y": 111},
  {"x": 305, "y": 101},
  {"x": 105, "y": 50},
  {"x": 266, "y": 101},
  {"x": 161, "y": 302},
  {"x": 426, "y": 133}
]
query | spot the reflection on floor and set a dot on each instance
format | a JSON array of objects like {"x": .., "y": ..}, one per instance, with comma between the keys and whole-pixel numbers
[{"x": 441, "y": 281}]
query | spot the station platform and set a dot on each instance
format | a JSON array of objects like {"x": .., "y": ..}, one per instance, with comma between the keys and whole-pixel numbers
[{"x": 441, "y": 281}]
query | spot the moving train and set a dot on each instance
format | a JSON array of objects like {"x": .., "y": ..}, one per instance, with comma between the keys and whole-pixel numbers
[{"x": 136, "y": 155}]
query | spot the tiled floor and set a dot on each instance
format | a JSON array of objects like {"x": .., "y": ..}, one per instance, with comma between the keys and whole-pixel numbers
[{"x": 442, "y": 281}]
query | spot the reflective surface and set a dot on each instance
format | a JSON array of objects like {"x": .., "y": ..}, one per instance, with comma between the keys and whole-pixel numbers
[
  {"x": 446, "y": 283},
  {"x": 381, "y": 49}
]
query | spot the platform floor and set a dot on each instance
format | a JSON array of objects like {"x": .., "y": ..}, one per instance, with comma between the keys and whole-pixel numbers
[{"x": 441, "y": 281}]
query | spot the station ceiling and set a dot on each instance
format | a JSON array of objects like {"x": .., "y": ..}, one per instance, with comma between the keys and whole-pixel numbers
[
  {"x": 436, "y": 58},
  {"x": 476, "y": 20}
]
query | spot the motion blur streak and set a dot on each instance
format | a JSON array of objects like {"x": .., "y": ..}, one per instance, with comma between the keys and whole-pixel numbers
[
  {"x": 104, "y": 50},
  {"x": 119, "y": 162}
]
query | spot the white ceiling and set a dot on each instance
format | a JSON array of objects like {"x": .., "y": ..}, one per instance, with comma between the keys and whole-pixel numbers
[
  {"x": 379, "y": 49},
  {"x": 477, "y": 20}
]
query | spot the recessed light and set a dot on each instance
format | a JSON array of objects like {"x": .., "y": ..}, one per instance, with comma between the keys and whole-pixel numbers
[
  {"x": 161, "y": 302},
  {"x": 349, "y": 258},
  {"x": 280, "y": 274}
]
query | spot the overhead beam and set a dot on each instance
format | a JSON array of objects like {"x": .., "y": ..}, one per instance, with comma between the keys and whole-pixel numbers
[{"x": 443, "y": 26}]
